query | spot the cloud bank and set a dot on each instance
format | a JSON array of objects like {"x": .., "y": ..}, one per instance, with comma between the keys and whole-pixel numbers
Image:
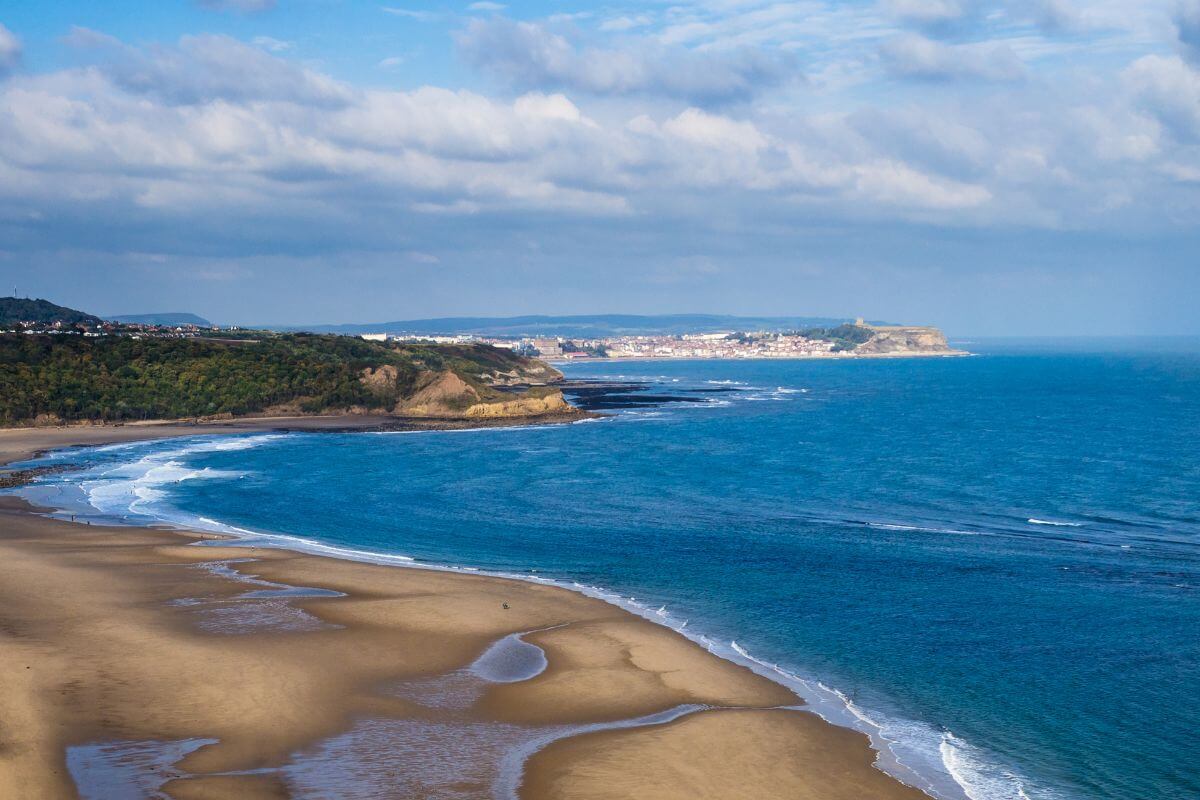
[{"x": 637, "y": 134}]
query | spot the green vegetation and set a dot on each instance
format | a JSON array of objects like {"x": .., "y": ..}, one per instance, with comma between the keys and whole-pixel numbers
[
  {"x": 16, "y": 309},
  {"x": 596, "y": 351},
  {"x": 111, "y": 378},
  {"x": 844, "y": 337}
]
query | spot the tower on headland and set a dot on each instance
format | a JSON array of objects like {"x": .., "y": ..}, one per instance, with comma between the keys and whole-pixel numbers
[{"x": 858, "y": 322}]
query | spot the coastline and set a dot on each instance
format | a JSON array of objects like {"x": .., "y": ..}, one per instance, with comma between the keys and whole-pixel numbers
[
  {"x": 25, "y": 443},
  {"x": 822, "y": 357},
  {"x": 604, "y": 665}
]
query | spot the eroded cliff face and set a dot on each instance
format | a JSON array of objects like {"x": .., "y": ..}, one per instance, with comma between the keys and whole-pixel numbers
[
  {"x": 901, "y": 341},
  {"x": 445, "y": 395},
  {"x": 439, "y": 394},
  {"x": 528, "y": 406},
  {"x": 534, "y": 373},
  {"x": 381, "y": 380}
]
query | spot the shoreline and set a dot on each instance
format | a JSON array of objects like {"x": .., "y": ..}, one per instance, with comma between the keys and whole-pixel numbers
[
  {"x": 827, "y": 357},
  {"x": 561, "y": 768},
  {"x": 25, "y": 443}
]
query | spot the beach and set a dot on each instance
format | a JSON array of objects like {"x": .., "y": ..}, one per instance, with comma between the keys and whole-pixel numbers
[{"x": 253, "y": 663}]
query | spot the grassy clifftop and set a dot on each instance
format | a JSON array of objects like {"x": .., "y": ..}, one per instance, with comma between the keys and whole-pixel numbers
[{"x": 49, "y": 379}]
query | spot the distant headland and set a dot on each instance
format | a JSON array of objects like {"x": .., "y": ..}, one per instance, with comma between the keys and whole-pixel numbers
[
  {"x": 856, "y": 339},
  {"x": 63, "y": 366}
]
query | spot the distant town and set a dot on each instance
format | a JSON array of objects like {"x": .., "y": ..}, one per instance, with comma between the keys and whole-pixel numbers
[
  {"x": 93, "y": 329},
  {"x": 844, "y": 340},
  {"x": 847, "y": 340},
  {"x": 730, "y": 344}
]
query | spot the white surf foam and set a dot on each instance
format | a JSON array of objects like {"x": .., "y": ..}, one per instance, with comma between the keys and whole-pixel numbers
[
  {"x": 1055, "y": 523},
  {"x": 982, "y": 779},
  {"x": 133, "y": 488},
  {"x": 886, "y": 526}
]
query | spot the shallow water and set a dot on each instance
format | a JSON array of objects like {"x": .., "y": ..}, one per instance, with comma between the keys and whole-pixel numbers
[
  {"x": 262, "y": 610},
  {"x": 128, "y": 770},
  {"x": 510, "y": 660},
  {"x": 454, "y": 754},
  {"x": 991, "y": 562}
]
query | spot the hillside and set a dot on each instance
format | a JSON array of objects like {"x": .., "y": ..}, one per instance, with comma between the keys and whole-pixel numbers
[
  {"x": 168, "y": 319},
  {"x": 14, "y": 310},
  {"x": 585, "y": 326},
  {"x": 50, "y": 379}
]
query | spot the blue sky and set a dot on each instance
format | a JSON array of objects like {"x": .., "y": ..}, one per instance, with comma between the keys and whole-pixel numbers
[{"x": 1029, "y": 166}]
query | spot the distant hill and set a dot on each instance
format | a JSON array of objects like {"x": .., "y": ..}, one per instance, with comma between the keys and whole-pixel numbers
[
  {"x": 168, "y": 319},
  {"x": 19, "y": 309},
  {"x": 587, "y": 326}
]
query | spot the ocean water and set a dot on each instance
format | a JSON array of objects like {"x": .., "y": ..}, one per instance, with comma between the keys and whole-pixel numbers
[{"x": 990, "y": 564}]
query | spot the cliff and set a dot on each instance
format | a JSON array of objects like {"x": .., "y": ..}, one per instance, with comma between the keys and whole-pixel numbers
[
  {"x": 903, "y": 340},
  {"x": 530, "y": 405},
  {"x": 446, "y": 395}
]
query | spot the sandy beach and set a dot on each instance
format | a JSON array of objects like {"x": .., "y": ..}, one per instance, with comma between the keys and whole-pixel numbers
[{"x": 278, "y": 674}]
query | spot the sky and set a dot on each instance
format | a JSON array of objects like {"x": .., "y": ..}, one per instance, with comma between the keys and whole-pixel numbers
[{"x": 995, "y": 168}]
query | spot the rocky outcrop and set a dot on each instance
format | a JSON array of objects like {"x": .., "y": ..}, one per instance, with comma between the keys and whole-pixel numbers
[
  {"x": 905, "y": 341},
  {"x": 526, "y": 406},
  {"x": 445, "y": 395},
  {"x": 381, "y": 380},
  {"x": 439, "y": 394},
  {"x": 532, "y": 372}
]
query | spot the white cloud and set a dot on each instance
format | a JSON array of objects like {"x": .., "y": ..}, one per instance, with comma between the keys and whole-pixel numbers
[
  {"x": 900, "y": 185},
  {"x": 419, "y": 16},
  {"x": 914, "y": 56},
  {"x": 531, "y": 55},
  {"x": 272, "y": 44},
  {"x": 1168, "y": 89},
  {"x": 715, "y": 132},
  {"x": 237, "y": 140},
  {"x": 1059, "y": 15},
  {"x": 1187, "y": 29},
  {"x": 201, "y": 68},
  {"x": 626, "y": 23},
  {"x": 10, "y": 51},
  {"x": 925, "y": 11},
  {"x": 485, "y": 5}
]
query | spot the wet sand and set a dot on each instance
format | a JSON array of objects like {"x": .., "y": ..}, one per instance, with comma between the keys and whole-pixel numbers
[
  {"x": 17, "y": 444},
  {"x": 138, "y": 637}
]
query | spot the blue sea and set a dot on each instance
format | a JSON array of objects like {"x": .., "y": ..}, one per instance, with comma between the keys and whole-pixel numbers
[{"x": 989, "y": 564}]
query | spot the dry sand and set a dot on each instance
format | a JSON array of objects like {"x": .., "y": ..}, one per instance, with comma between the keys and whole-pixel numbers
[{"x": 95, "y": 646}]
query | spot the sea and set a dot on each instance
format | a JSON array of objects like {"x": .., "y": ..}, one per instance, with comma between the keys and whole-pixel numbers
[{"x": 989, "y": 564}]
